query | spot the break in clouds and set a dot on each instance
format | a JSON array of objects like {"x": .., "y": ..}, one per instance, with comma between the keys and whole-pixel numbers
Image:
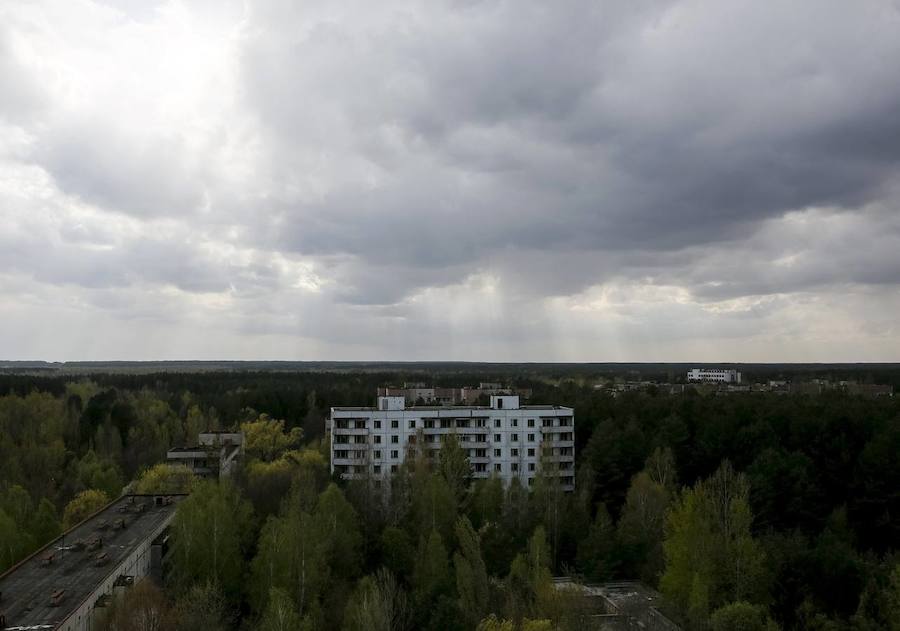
[{"x": 521, "y": 180}]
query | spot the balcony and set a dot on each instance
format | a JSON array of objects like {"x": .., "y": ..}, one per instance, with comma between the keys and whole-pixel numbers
[
  {"x": 350, "y": 431},
  {"x": 350, "y": 461}
]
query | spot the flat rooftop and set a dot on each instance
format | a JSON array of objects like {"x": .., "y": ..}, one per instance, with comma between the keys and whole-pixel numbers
[
  {"x": 628, "y": 604},
  {"x": 27, "y": 587},
  {"x": 449, "y": 408}
]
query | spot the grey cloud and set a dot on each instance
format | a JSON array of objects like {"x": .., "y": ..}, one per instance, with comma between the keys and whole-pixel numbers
[{"x": 580, "y": 128}]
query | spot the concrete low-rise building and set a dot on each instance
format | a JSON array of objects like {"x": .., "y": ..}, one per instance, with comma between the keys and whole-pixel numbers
[
  {"x": 214, "y": 455},
  {"x": 505, "y": 439},
  {"x": 61, "y": 585}
]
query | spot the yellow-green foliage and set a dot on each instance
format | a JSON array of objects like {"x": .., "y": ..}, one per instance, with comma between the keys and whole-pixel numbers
[
  {"x": 84, "y": 504},
  {"x": 266, "y": 439},
  {"x": 165, "y": 478}
]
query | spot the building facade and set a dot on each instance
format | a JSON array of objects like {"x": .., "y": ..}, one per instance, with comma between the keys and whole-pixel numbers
[
  {"x": 505, "y": 439},
  {"x": 714, "y": 375}
]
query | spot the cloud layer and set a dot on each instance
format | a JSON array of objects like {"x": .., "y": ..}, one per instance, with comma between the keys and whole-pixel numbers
[{"x": 482, "y": 180}]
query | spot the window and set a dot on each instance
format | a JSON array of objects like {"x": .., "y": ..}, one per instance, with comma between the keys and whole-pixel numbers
[
  {"x": 515, "y": 466},
  {"x": 531, "y": 466},
  {"x": 497, "y": 438},
  {"x": 515, "y": 438},
  {"x": 530, "y": 438},
  {"x": 497, "y": 453},
  {"x": 498, "y": 468},
  {"x": 395, "y": 424},
  {"x": 376, "y": 469},
  {"x": 412, "y": 425},
  {"x": 498, "y": 422},
  {"x": 393, "y": 468},
  {"x": 531, "y": 452},
  {"x": 395, "y": 439},
  {"x": 377, "y": 424},
  {"x": 429, "y": 424},
  {"x": 482, "y": 422},
  {"x": 515, "y": 422},
  {"x": 445, "y": 423},
  {"x": 378, "y": 454},
  {"x": 514, "y": 453},
  {"x": 377, "y": 439},
  {"x": 394, "y": 453},
  {"x": 531, "y": 422}
]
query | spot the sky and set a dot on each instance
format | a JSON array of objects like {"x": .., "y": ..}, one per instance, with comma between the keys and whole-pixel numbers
[{"x": 496, "y": 180}]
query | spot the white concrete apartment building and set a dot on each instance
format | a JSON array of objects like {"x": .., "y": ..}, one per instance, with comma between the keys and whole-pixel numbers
[
  {"x": 505, "y": 439},
  {"x": 715, "y": 375}
]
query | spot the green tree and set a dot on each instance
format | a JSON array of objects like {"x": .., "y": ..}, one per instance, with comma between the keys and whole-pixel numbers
[
  {"x": 434, "y": 506},
  {"x": 741, "y": 616},
  {"x": 311, "y": 557},
  {"x": 640, "y": 528},
  {"x": 596, "y": 551},
  {"x": 17, "y": 504},
  {"x": 144, "y": 607},
  {"x": 711, "y": 557},
  {"x": 82, "y": 506},
  {"x": 397, "y": 552},
  {"x": 471, "y": 574},
  {"x": 432, "y": 570},
  {"x": 281, "y": 614},
  {"x": 210, "y": 537},
  {"x": 202, "y": 607},
  {"x": 454, "y": 466},
  {"x": 100, "y": 473},
  {"x": 378, "y": 604},
  {"x": 493, "y": 623},
  {"x": 291, "y": 558},
  {"x": 10, "y": 541},
  {"x": 44, "y": 524}
]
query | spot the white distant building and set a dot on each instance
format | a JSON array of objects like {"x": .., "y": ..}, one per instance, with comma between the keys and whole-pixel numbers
[
  {"x": 714, "y": 375},
  {"x": 505, "y": 439}
]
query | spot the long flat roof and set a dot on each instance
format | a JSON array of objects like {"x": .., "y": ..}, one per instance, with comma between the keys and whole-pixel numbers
[{"x": 26, "y": 588}]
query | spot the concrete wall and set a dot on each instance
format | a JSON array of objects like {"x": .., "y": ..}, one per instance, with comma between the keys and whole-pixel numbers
[{"x": 137, "y": 565}]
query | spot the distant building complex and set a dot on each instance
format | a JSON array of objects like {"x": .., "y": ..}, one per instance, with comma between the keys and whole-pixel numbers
[
  {"x": 64, "y": 584},
  {"x": 504, "y": 439},
  {"x": 714, "y": 375}
]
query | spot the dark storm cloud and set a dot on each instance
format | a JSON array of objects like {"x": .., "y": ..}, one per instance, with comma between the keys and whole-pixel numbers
[{"x": 520, "y": 125}]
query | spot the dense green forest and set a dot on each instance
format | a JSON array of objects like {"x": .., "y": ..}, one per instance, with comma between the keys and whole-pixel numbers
[{"x": 750, "y": 511}]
